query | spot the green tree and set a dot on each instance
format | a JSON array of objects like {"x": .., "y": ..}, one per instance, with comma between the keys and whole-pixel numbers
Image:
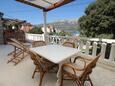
[
  {"x": 99, "y": 19},
  {"x": 63, "y": 33},
  {"x": 36, "y": 30}
]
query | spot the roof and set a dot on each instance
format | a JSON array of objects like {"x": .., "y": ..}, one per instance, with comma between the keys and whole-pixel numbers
[
  {"x": 46, "y": 5},
  {"x": 26, "y": 24},
  {"x": 12, "y": 21}
]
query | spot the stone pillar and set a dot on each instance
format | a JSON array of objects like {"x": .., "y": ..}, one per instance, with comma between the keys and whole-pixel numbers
[
  {"x": 45, "y": 27},
  {"x": 43, "y": 37},
  {"x": 45, "y": 24},
  {"x": 81, "y": 45},
  {"x": 112, "y": 53},
  {"x": 87, "y": 47},
  {"x": 103, "y": 49},
  {"x": 94, "y": 49}
]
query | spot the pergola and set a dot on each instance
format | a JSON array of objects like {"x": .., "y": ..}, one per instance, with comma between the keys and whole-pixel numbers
[{"x": 46, "y": 5}]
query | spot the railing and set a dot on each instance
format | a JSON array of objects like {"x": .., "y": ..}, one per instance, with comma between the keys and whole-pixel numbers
[
  {"x": 88, "y": 46},
  {"x": 53, "y": 39}
]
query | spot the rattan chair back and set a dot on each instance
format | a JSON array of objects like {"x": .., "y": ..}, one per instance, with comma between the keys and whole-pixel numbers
[
  {"x": 37, "y": 60},
  {"x": 69, "y": 44},
  {"x": 88, "y": 69},
  {"x": 38, "y": 43}
]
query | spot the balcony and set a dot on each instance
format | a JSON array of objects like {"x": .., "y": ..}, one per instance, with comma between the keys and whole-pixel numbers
[{"x": 20, "y": 75}]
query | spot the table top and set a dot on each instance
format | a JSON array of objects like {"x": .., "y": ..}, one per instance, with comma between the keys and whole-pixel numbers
[{"x": 55, "y": 53}]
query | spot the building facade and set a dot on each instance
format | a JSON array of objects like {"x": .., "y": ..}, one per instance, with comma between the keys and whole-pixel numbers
[{"x": 49, "y": 29}]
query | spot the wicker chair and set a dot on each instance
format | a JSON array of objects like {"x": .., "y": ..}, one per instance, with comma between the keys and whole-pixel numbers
[
  {"x": 38, "y": 43},
  {"x": 79, "y": 73},
  {"x": 19, "y": 51},
  {"x": 42, "y": 66},
  {"x": 17, "y": 54},
  {"x": 69, "y": 44}
]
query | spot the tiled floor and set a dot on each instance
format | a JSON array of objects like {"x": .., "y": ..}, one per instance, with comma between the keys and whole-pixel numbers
[{"x": 20, "y": 75}]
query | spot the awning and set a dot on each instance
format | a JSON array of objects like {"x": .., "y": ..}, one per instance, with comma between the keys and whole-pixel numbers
[{"x": 46, "y": 5}]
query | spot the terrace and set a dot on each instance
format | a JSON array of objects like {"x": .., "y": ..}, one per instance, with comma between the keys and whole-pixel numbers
[{"x": 20, "y": 74}]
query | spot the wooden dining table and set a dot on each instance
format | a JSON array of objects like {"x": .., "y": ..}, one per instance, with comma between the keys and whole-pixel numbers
[{"x": 57, "y": 54}]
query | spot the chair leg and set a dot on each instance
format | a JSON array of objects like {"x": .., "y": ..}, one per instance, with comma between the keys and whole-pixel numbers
[
  {"x": 22, "y": 55},
  {"x": 80, "y": 83},
  {"x": 11, "y": 53},
  {"x": 41, "y": 78},
  {"x": 61, "y": 80},
  {"x": 90, "y": 81},
  {"x": 34, "y": 73},
  {"x": 77, "y": 83}
]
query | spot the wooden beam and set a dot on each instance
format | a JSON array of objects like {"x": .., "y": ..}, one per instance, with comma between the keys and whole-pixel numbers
[
  {"x": 47, "y": 1},
  {"x": 29, "y": 3},
  {"x": 58, "y": 4},
  {"x": 53, "y": 6}
]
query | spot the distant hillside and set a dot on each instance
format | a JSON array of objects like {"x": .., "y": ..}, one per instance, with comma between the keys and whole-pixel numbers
[{"x": 64, "y": 24}]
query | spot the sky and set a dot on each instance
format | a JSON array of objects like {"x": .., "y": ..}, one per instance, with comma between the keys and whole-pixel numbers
[{"x": 16, "y": 10}]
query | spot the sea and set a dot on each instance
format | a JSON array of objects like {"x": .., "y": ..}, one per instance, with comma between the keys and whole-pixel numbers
[{"x": 73, "y": 32}]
